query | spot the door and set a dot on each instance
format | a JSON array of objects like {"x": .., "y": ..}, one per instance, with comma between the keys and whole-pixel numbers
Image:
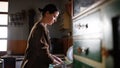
[{"x": 116, "y": 43}]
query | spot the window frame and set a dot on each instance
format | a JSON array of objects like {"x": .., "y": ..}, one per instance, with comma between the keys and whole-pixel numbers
[{"x": 2, "y": 52}]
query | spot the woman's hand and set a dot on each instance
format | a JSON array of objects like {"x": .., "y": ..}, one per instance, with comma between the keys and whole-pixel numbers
[{"x": 57, "y": 60}]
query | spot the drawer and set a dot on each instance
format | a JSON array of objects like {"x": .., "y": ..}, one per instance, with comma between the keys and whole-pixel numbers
[
  {"x": 88, "y": 48},
  {"x": 90, "y": 24}
]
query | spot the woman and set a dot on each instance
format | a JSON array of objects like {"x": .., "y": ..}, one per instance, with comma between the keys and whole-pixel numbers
[{"x": 37, "y": 53}]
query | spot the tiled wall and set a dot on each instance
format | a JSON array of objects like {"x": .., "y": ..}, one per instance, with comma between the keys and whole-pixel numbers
[{"x": 17, "y": 47}]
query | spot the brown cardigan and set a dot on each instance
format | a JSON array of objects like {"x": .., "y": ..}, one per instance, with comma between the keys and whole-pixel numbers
[{"x": 37, "y": 53}]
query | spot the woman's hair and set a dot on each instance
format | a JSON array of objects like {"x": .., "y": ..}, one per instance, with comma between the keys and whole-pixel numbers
[{"x": 51, "y": 8}]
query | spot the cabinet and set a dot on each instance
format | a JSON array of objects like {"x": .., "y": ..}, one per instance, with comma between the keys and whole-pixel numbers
[
  {"x": 87, "y": 41},
  {"x": 66, "y": 21},
  {"x": 100, "y": 27}
]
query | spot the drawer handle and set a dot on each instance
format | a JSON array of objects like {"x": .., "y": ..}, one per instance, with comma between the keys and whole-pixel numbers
[{"x": 83, "y": 50}]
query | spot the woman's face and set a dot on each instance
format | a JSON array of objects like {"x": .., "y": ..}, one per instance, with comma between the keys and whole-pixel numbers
[{"x": 51, "y": 18}]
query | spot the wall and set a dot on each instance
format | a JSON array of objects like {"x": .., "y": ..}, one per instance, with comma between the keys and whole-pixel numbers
[
  {"x": 19, "y": 5},
  {"x": 18, "y": 34},
  {"x": 109, "y": 11}
]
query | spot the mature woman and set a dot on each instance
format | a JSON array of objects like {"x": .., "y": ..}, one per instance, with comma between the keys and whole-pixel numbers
[{"x": 37, "y": 53}]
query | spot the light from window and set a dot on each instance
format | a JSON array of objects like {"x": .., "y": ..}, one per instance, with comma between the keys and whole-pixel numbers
[
  {"x": 3, "y": 6},
  {"x": 3, "y": 25},
  {"x": 3, "y": 19},
  {"x": 3, "y": 45},
  {"x": 3, "y": 32}
]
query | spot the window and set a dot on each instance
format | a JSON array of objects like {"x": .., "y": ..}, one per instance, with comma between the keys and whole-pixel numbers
[{"x": 3, "y": 25}]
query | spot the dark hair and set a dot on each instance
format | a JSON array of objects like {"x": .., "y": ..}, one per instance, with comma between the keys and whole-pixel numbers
[{"x": 51, "y": 8}]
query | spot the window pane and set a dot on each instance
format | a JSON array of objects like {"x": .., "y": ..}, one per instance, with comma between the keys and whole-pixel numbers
[
  {"x": 3, "y": 32},
  {"x": 3, "y": 19},
  {"x": 3, "y": 6},
  {"x": 3, "y": 45}
]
